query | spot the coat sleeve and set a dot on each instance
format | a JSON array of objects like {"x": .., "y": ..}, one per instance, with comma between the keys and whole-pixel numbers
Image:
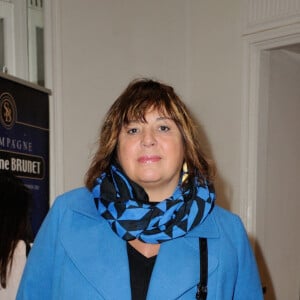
[
  {"x": 248, "y": 284},
  {"x": 37, "y": 279}
]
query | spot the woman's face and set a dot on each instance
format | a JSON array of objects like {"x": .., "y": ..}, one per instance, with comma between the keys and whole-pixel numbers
[{"x": 152, "y": 153}]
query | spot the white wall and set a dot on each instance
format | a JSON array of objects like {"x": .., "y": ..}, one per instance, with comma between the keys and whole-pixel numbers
[
  {"x": 215, "y": 83},
  {"x": 193, "y": 45}
]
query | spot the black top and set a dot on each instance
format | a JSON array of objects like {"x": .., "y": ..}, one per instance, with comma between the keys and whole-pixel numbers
[{"x": 140, "y": 272}]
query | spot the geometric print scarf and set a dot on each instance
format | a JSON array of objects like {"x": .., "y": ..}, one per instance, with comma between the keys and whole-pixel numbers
[{"x": 126, "y": 207}]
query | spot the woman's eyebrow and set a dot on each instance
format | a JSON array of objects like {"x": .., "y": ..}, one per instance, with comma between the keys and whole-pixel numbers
[{"x": 163, "y": 118}]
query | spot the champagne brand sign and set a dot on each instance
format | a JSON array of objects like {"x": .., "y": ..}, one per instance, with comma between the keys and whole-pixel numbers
[{"x": 24, "y": 140}]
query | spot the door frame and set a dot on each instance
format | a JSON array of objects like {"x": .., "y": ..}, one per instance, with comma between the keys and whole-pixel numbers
[{"x": 254, "y": 113}]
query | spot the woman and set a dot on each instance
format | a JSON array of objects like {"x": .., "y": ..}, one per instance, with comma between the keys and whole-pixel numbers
[
  {"x": 145, "y": 225},
  {"x": 15, "y": 233}
]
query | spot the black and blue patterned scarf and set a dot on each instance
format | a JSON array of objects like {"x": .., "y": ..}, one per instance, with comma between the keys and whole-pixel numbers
[{"x": 126, "y": 207}]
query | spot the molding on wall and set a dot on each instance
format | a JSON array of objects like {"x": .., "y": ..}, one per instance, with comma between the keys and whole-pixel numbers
[
  {"x": 7, "y": 13},
  {"x": 261, "y": 15},
  {"x": 20, "y": 36},
  {"x": 254, "y": 46},
  {"x": 53, "y": 76}
]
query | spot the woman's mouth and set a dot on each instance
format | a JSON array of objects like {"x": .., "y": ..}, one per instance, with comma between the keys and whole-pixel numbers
[{"x": 148, "y": 159}]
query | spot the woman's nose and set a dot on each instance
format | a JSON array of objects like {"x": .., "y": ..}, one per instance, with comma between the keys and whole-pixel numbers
[{"x": 148, "y": 138}]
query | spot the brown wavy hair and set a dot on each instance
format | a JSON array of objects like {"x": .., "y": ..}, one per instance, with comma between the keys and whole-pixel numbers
[{"x": 140, "y": 96}]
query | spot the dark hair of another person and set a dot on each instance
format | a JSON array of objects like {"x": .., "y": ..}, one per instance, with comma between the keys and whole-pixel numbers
[
  {"x": 15, "y": 201},
  {"x": 139, "y": 97}
]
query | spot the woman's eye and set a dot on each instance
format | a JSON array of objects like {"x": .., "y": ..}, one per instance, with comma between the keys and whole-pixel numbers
[
  {"x": 132, "y": 130},
  {"x": 164, "y": 128}
]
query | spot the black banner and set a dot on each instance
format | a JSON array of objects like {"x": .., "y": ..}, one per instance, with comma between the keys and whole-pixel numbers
[{"x": 24, "y": 140}]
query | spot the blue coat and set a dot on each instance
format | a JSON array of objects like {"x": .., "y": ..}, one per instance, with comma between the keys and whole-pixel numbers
[{"x": 76, "y": 255}]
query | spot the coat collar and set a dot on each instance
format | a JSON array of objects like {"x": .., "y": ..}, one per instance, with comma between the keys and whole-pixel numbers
[{"x": 101, "y": 256}]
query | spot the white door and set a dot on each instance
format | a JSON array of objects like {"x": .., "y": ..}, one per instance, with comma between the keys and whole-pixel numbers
[{"x": 278, "y": 201}]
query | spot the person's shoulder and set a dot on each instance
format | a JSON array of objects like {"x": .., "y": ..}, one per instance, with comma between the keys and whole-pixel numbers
[
  {"x": 227, "y": 220},
  {"x": 20, "y": 248},
  {"x": 76, "y": 194},
  {"x": 75, "y": 198},
  {"x": 219, "y": 211}
]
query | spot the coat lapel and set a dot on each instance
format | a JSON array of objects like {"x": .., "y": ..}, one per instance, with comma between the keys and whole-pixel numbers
[
  {"x": 97, "y": 253},
  {"x": 177, "y": 267}
]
